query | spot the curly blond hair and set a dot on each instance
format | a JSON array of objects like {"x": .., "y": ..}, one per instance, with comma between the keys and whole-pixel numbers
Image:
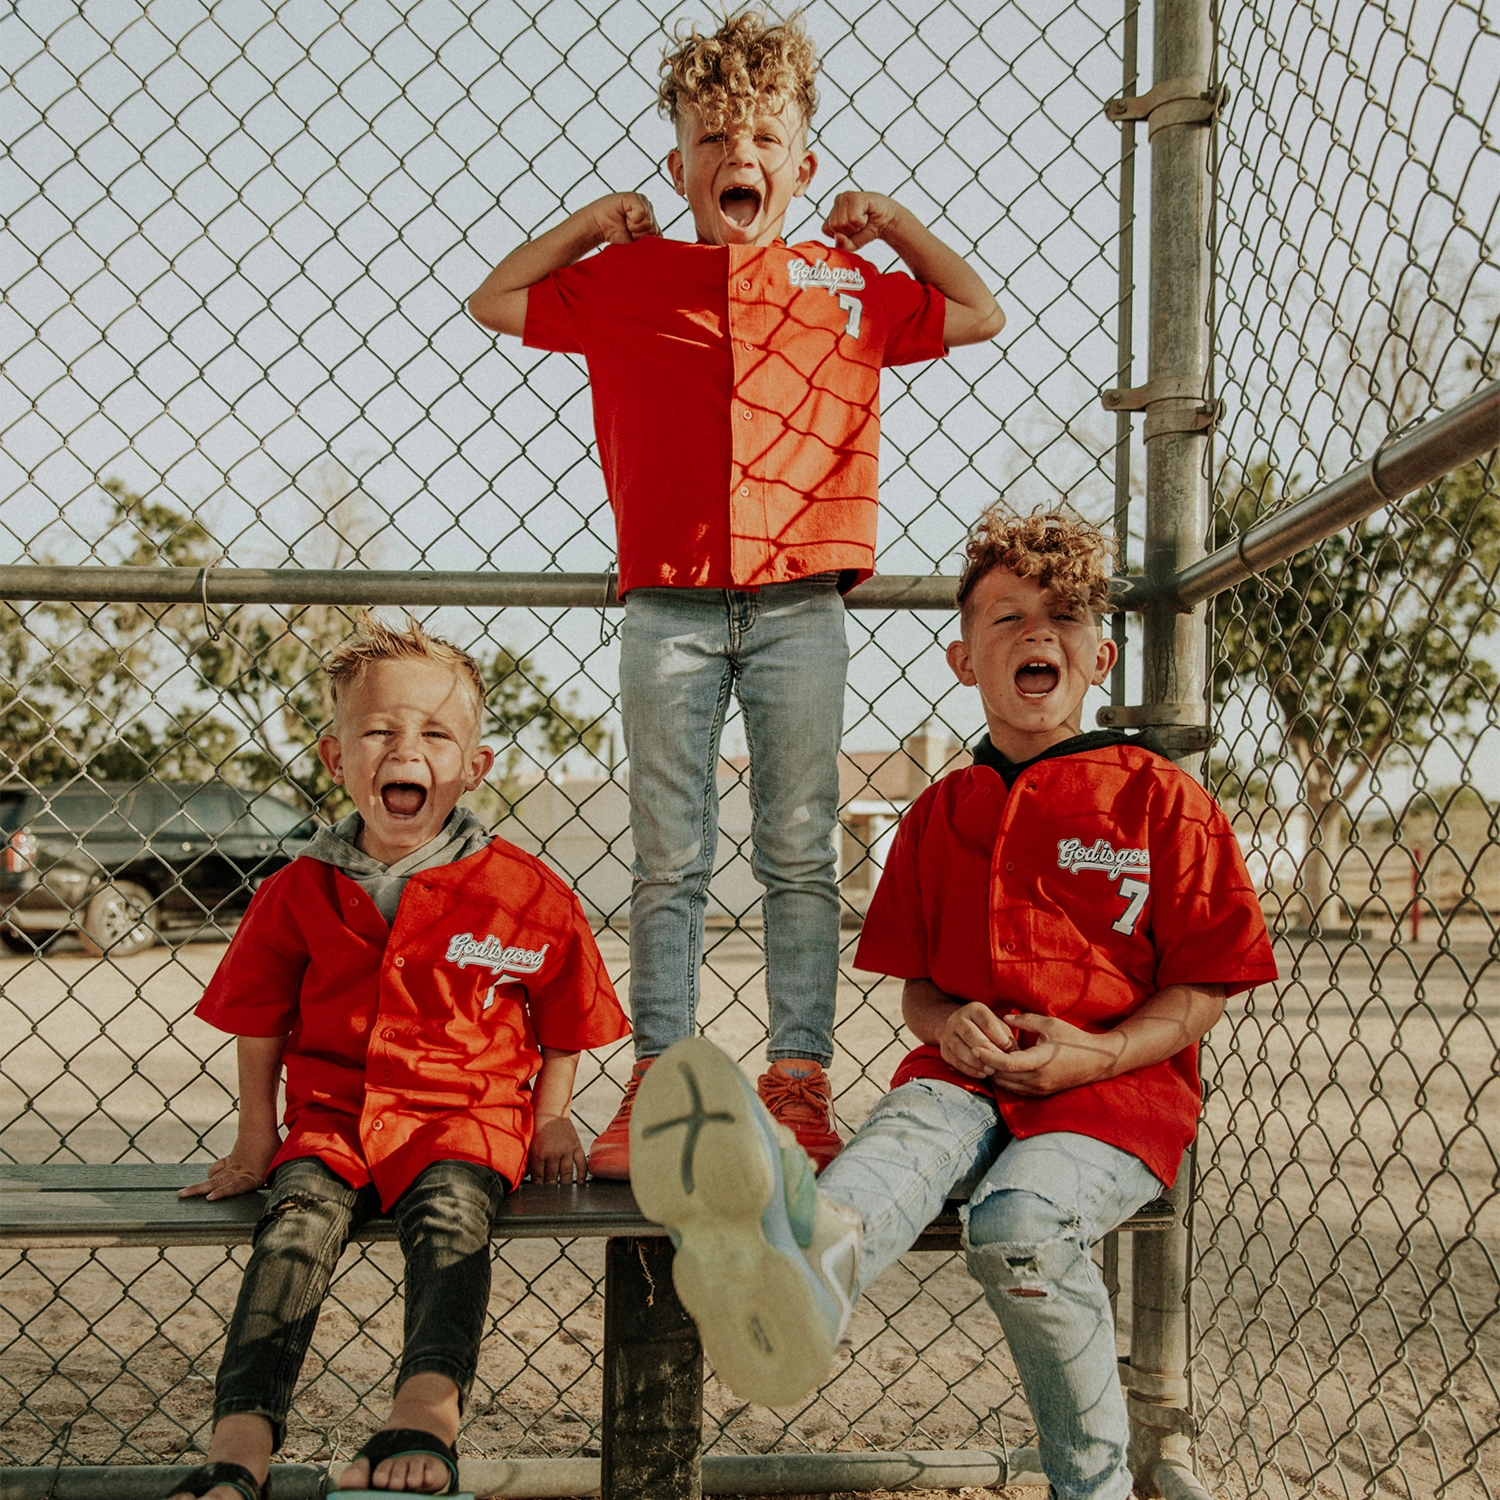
[
  {"x": 373, "y": 640},
  {"x": 751, "y": 65},
  {"x": 1065, "y": 554}
]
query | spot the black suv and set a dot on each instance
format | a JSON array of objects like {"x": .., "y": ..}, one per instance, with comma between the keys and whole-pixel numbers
[{"x": 126, "y": 862}]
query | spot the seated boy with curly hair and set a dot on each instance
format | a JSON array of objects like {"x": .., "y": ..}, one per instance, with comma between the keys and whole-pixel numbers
[
  {"x": 427, "y": 989},
  {"x": 736, "y": 386},
  {"x": 1068, "y": 915}
]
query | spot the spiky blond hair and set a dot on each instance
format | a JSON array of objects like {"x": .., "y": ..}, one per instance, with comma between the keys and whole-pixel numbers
[
  {"x": 752, "y": 64},
  {"x": 373, "y": 640},
  {"x": 1064, "y": 553}
]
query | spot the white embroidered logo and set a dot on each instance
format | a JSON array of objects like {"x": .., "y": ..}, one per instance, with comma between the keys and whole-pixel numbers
[
  {"x": 809, "y": 275},
  {"x": 1073, "y": 856},
  {"x": 465, "y": 949}
]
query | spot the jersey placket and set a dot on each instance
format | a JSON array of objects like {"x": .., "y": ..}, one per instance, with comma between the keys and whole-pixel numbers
[{"x": 749, "y": 328}]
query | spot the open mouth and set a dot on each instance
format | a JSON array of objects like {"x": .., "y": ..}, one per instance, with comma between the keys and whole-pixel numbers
[
  {"x": 403, "y": 799},
  {"x": 739, "y": 205},
  {"x": 1036, "y": 679}
]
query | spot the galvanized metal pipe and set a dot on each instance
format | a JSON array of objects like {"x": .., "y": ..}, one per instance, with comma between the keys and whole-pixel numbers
[
  {"x": 1424, "y": 454},
  {"x": 1174, "y": 646},
  {"x": 542, "y": 1478},
  {"x": 357, "y": 587}
]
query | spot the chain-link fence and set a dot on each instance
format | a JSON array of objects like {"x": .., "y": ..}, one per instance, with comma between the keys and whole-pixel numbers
[
  {"x": 1347, "y": 1307},
  {"x": 241, "y": 236}
]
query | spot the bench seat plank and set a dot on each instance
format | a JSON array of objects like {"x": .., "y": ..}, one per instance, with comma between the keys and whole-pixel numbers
[{"x": 136, "y": 1203}]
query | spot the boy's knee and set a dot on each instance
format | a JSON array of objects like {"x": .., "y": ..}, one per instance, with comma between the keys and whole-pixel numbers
[{"x": 1022, "y": 1244}]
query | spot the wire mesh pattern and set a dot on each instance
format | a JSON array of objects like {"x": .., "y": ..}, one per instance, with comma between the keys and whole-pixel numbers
[
  {"x": 235, "y": 333},
  {"x": 1346, "y": 1299}
]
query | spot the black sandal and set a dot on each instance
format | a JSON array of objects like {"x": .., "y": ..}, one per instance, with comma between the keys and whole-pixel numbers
[
  {"x": 403, "y": 1442},
  {"x": 202, "y": 1479}
]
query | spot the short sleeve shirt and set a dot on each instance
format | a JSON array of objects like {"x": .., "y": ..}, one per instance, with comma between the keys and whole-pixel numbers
[
  {"x": 737, "y": 401},
  {"x": 1096, "y": 880},
  {"x": 415, "y": 1042}
]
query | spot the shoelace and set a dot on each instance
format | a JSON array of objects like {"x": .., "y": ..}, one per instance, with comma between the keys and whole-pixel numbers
[{"x": 801, "y": 1096}]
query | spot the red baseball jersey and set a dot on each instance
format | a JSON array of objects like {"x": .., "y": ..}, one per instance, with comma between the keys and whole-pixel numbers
[
  {"x": 416, "y": 1042},
  {"x": 1097, "y": 879},
  {"x": 737, "y": 401}
]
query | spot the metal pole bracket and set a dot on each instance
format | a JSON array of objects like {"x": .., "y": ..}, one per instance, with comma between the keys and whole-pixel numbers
[
  {"x": 1171, "y": 404},
  {"x": 1174, "y": 101}
]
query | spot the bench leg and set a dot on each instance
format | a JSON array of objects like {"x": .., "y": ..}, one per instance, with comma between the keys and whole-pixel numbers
[{"x": 652, "y": 1446}]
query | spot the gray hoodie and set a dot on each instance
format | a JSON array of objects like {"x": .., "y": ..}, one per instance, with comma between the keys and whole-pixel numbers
[{"x": 462, "y": 835}]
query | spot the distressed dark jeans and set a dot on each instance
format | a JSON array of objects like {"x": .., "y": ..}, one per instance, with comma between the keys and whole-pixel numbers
[{"x": 443, "y": 1222}]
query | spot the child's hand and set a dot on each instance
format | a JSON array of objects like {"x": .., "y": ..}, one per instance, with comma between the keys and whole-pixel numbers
[
  {"x": 858, "y": 218},
  {"x": 556, "y": 1152},
  {"x": 623, "y": 217},
  {"x": 974, "y": 1040},
  {"x": 1063, "y": 1057},
  {"x": 242, "y": 1171}
]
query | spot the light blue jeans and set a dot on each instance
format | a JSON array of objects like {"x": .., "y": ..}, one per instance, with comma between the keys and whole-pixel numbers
[
  {"x": 784, "y": 654},
  {"x": 1036, "y": 1207}
]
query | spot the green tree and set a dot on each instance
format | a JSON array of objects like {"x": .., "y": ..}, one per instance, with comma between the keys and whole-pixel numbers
[
  {"x": 100, "y": 688},
  {"x": 1365, "y": 644}
]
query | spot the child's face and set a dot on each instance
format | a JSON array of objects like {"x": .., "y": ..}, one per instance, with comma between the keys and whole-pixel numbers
[
  {"x": 740, "y": 182},
  {"x": 1033, "y": 657},
  {"x": 405, "y": 745}
]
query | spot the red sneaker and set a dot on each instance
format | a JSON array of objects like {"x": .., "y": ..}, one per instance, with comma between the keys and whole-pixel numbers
[
  {"x": 797, "y": 1093},
  {"x": 609, "y": 1156}
]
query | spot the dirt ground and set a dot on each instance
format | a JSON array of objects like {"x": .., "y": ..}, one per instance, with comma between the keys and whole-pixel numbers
[{"x": 1346, "y": 1297}]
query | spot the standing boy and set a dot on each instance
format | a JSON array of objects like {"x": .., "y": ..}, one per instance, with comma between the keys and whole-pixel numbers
[
  {"x": 427, "y": 989},
  {"x": 1068, "y": 915},
  {"x": 736, "y": 392}
]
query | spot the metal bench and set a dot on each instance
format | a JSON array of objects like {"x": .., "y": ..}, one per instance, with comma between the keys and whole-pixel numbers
[{"x": 652, "y": 1427}]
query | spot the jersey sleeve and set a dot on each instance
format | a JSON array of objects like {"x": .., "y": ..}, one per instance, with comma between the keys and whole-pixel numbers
[
  {"x": 256, "y": 988},
  {"x": 1206, "y": 923},
  {"x": 894, "y": 939},
  {"x": 914, "y": 315},
  {"x": 574, "y": 1007},
  {"x": 562, "y": 307}
]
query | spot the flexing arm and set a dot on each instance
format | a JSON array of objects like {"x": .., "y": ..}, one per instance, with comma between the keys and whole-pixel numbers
[
  {"x": 500, "y": 302},
  {"x": 973, "y": 315},
  {"x": 556, "y": 1152},
  {"x": 258, "y": 1138},
  {"x": 1064, "y": 1056}
]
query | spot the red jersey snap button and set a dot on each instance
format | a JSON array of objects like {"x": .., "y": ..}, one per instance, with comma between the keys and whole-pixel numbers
[
  {"x": 744, "y": 489},
  {"x": 1010, "y": 947},
  {"x": 389, "y": 1036},
  {"x": 1010, "y": 864},
  {"x": 378, "y": 1125},
  {"x": 400, "y": 963},
  {"x": 745, "y": 284}
]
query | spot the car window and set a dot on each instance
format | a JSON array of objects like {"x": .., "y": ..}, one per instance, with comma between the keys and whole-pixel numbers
[
  {"x": 13, "y": 804},
  {"x": 204, "y": 812},
  {"x": 274, "y": 817},
  {"x": 93, "y": 814}
]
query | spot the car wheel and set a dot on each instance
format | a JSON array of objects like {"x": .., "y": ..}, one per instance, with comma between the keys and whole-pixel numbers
[{"x": 119, "y": 920}]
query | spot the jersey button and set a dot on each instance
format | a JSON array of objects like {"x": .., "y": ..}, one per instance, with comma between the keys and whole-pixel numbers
[
  {"x": 1010, "y": 864},
  {"x": 389, "y": 1036},
  {"x": 378, "y": 1125},
  {"x": 1010, "y": 947},
  {"x": 748, "y": 414},
  {"x": 400, "y": 963},
  {"x": 745, "y": 284},
  {"x": 744, "y": 489}
]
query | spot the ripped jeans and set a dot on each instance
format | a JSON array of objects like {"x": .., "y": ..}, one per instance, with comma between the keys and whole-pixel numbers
[
  {"x": 1036, "y": 1207},
  {"x": 443, "y": 1221}
]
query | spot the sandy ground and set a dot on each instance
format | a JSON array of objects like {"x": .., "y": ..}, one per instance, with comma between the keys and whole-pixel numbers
[{"x": 1346, "y": 1294}]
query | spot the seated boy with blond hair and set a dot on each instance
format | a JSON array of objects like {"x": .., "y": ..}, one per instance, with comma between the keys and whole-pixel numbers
[
  {"x": 736, "y": 386},
  {"x": 427, "y": 990},
  {"x": 1068, "y": 915}
]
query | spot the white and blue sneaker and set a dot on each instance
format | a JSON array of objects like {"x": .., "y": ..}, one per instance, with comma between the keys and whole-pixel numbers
[{"x": 764, "y": 1264}]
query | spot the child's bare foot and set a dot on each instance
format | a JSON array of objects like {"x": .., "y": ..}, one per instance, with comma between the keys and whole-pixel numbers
[
  {"x": 424, "y": 1404},
  {"x": 238, "y": 1439}
]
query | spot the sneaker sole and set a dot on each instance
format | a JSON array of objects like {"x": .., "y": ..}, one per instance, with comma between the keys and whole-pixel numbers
[{"x": 704, "y": 1165}]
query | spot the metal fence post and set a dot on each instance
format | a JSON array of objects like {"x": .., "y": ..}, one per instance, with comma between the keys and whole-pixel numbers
[{"x": 1178, "y": 406}]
